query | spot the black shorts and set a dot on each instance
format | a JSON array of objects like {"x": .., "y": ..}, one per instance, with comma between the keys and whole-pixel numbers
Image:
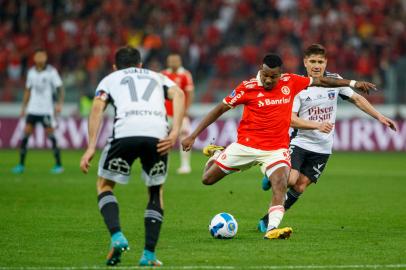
[
  {"x": 309, "y": 163},
  {"x": 119, "y": 154},
  {"x": 46, "y": 120}
]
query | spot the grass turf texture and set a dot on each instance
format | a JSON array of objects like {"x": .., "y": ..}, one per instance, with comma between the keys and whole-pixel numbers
[{"x": 356, "y": 214}]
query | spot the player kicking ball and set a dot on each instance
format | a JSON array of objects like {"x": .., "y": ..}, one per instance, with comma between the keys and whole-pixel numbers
[
  {"x": 262, "y": 133},
  {"x": 140, "y": 131},
  {"x": 313, "y": 143}
]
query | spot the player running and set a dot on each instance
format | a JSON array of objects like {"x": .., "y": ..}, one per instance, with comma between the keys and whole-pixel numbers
[
  {"x": 314, "y": 114},
  {"x": 182, "y": 77},
  {"x": 263, "y": 132},
  {"x": 140, "y": 131},
  {"x": 43, "y": 84}
]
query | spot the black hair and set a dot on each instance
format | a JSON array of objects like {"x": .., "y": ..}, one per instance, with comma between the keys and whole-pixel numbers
[
  {"x": 317, "y": 49},
  {"x": 272, "y": 60},
  {"x": 127, "y": 57}
]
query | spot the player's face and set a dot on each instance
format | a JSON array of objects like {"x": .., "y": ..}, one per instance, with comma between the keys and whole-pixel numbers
[
  {"x": 174, "y": 62},
  {"x": 269, "y": 76},
  {"x": 315, "y": 65},
  {"x": 40, "y": 59}
]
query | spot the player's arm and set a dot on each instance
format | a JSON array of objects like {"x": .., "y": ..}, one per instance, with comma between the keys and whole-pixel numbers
[
  {"x": 334, "y": 82},
  {"x": 60, "y": 92},
  {"x": 189, "y": 92},
  {"x": 300, "y": 123},
  {"x": 95, "y": 119},
  {"x": 363, "y": 104},
  {"x": 178, "y": 100},
  {"x": 26, "y": 98},
  {"x": 211, "y": 117}
]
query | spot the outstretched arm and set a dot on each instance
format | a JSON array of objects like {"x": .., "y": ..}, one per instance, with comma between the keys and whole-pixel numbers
[
  {"x": 300, "y": 123},
  {"x": 367, "y": 107},
  {"x": 213, "y": 115},
  {"x": 61, "y": 96},
  {"x": 333, "y": 82},
  {"x": 26, "y": 98}
]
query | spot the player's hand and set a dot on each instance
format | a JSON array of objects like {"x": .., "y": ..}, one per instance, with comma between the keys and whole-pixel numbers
[
  {"x": 365, "y": 86},
  {"x": 86, "y": 158},
  {"x": 388, "y": 122},
  {"x": 187, "y": 143},
  {"x": 165, "y": 145},
  {"x": 325, "y": 127},
  {"x": 58, "y": 108},
  {"x": 22, "y": 113}
]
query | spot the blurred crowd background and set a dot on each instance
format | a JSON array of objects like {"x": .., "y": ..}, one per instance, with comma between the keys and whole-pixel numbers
[{"x": 221, "y": 41}]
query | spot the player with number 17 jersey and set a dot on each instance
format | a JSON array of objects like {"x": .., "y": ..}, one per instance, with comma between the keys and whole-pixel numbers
[{"x": 148, "y": 116}]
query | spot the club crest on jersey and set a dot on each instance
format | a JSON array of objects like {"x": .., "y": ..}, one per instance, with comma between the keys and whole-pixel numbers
[
  {"x": 331, "y": 95},
  {"x": 285, "y": 90}
]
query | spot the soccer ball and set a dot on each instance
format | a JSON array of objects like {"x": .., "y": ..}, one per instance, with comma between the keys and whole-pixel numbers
[{"x": 223, "y": 226}]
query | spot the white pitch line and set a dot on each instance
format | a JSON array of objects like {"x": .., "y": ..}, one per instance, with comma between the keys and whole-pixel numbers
[{"x": 221, "y": 267}]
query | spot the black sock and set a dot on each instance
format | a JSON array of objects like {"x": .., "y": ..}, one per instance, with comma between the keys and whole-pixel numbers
[
  {"x": 108, "y": 206},
  {"x": 55, "y": 149},
  {"x": 292, "y": 197},
  {"x": 153, "y": 219},
  {"x": 23, "y": 149}
]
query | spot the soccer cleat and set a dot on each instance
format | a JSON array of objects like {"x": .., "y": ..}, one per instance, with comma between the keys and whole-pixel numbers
[
  {"x": 266, "y": 184},
  {"x": 262, "y": 226},
  {"x": 283, "y": 233},
  {"x": 57, "y": 169},
  {"x": 148, "y": 258},
  {"x": 211, "y": 148},
  {"x": 119, "y": 244},
  {"x": 19, "y": 169},
  {"x": 184, "y": 170}
]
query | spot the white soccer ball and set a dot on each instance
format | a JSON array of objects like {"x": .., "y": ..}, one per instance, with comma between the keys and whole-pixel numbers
[{"x": 223, "y": 226}]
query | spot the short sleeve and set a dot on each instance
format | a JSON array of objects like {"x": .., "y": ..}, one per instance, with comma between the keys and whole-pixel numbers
[
  {"x": 166, "y": 82},
  {"x": 296, "y": 104},
  {"x": 237, "y": 96},
  {"x": 56, "y": 79},
  {"x": 345, "y": 92},
  {"x": 29, "y": 83},
  {"x": 300, "y": 83},
  {"x": 103, "y": 87}
]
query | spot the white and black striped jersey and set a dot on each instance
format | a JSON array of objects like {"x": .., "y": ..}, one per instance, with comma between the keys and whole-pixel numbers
[
  {"x": 138, "y": 97},
  {"x": 42, "y": 85},
  {"x": 318, "y": 104}
]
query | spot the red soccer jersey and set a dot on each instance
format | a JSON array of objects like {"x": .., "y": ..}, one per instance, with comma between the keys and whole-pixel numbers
[
  {"x": 266, "y": 118},
  {"x": 183, "y": 79}
]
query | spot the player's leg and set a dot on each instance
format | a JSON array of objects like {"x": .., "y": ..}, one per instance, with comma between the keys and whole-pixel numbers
[
  {"x": 114, "y": 167},
  {"x": 185, "y": 167},
  {"x": 154, "y": 173},
  {"x": 152, "y": 220},
  {"x": 49, "y": 124},
  {"x": 222, "y": 162},
  {"x": 28, "y": 129}
]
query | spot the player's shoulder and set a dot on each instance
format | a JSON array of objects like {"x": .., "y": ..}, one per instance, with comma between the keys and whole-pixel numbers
[
  {"x": 332, "y": 75},
  {"x": 249, "y": 84}
]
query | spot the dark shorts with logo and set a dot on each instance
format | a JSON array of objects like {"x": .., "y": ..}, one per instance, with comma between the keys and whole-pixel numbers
[
  {"x": 46, "y": 120},
  {"x": 309, "y": 163},
  {"x": 119, "y": 154}
]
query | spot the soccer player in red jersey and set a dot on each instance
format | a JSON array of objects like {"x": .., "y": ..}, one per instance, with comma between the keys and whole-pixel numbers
[
  {"x": 263, "y": 131},
  {"x": 183, "y": 78}
]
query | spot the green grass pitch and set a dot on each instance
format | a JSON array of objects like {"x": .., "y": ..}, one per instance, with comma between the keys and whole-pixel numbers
[{"x": 355, "y": 215}]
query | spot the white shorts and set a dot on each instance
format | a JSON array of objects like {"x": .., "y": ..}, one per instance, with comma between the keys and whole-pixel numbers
[{"x": 237, "y": 157}]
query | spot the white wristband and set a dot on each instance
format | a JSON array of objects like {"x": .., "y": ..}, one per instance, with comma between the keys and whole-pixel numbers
[{"x": 352, "y": 83}]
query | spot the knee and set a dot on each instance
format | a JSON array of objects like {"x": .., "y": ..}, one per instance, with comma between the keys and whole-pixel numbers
[
  {"x": 300, "y": 187},
  {"x": 102, "y": 186},
  {"x": 207, "y": 179}
]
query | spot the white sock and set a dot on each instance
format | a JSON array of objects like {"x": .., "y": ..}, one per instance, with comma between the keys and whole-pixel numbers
[
  {"x": 184, "y": 159},
  {"x": 275, "y": 215}
]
